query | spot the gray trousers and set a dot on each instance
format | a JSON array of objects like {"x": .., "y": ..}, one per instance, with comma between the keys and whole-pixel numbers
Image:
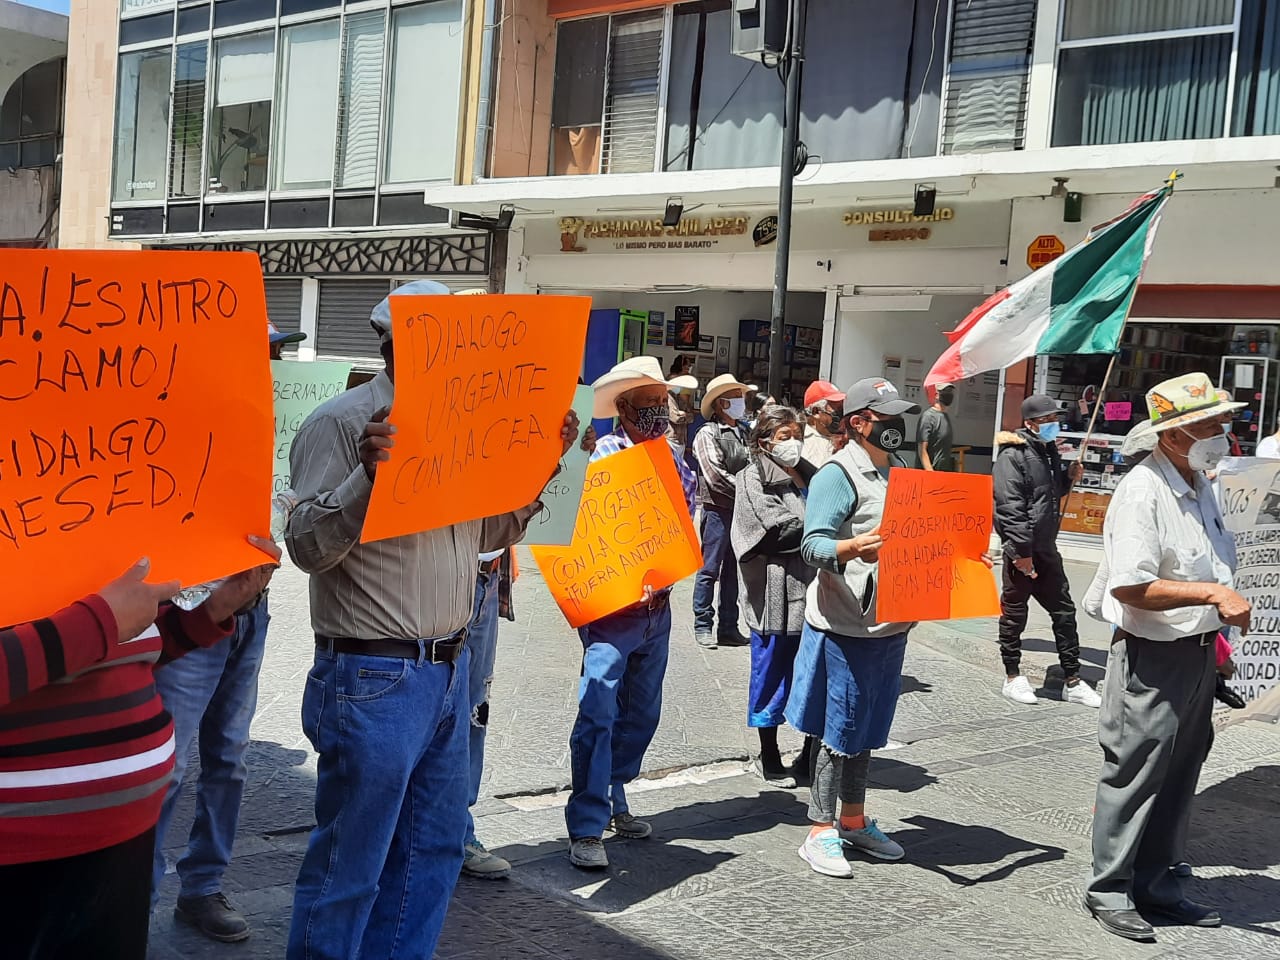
[
  {"x": 1155, "y": 730},
  {"x": 834, "y": 780}
]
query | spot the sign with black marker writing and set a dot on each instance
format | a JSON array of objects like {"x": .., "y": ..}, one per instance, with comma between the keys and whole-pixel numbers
[
  {"x": 482, "y": 385},
  {"x": 135, "y": 420},
  {"x": 297, "y": 388},
  {"x": 553, "y": 524}
]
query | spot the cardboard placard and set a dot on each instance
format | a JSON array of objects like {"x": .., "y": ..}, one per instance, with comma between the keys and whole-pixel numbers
[
  {"x": 1118, "y": 410},
  {"x": 936, "y": 527},
  {"x": 297, "y": 388},
  {"x": 482, "y": 385},
  {"x": 135, "y": 420},
  {"x": 633, "y": 530},
  {"x": 553, "y": 525}
]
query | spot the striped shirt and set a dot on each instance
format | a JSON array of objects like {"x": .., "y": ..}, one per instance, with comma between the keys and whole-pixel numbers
[
  {"x": 404, "y": 588},
  {"x": 86, "y": 747}
]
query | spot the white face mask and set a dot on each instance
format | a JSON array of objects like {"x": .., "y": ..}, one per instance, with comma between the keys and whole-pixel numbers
[
  {"x": 737, "y": 408},
  {"x": 1207, "y": 453},
  {"x": 786, "y": 452}
]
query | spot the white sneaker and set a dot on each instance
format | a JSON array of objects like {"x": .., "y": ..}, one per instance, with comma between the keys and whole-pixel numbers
[
  {"x": 1019, "y": 691},
  {"x": 825, "y": 853},
  {"x": 1082, "y": 694}
]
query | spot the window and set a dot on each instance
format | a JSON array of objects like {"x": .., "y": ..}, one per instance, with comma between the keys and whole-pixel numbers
[
  {"x": 1256, "y": 104},
  {"x": 308, "y": 106},
  {"x": 240, "y": 125},
  {"x": 187, "y": 137},
  {"x": 426, "y": 70},
  {"x": 630, "y": 133},
  {"x": 142, "y": 125},
  {"x": 986, "y": 106},
  {"x": 360, "y": 100},
  {"x": 31, "y": 117},
  {"x": 1143, "y": 70},
  {"x": 577, "y": 105}
]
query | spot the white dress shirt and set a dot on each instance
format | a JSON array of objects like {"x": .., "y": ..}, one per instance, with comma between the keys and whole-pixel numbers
[{"x": 1158, "y": 527}]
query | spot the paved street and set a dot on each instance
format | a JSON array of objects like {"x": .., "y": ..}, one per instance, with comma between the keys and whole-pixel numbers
[{"x": 991, "y": 800}]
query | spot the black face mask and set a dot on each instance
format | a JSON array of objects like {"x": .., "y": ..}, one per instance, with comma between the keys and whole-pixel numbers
[
  {"x": 946, "y": 397},
  {"x": 888, "y": 435}
]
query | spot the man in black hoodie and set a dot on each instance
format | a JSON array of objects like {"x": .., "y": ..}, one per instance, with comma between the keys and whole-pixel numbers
[{"x": 1030, "y": 481}]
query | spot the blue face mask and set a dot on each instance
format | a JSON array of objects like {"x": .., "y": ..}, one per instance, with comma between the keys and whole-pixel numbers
[{"x": 1048, "y": 432}]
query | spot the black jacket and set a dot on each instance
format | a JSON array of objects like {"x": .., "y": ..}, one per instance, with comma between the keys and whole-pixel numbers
[{"x": 1029, "y": 479}]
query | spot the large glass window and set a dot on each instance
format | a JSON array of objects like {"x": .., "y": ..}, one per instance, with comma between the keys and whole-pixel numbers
[
  {"x": 187, "y": 138},
  {"x": 1143, "y": 70},
  {"x": 426, "y": 70},
  {"x": 240, "y": 125},
  {"x": 577, "y": 104},
  {"x": 308, "y": 106},
  {"x": 360, "y": 100},
  {"x": 31, "y": 117},
  {"x": 142, "y": 125},
  {"x": 1256, "y": 104}
]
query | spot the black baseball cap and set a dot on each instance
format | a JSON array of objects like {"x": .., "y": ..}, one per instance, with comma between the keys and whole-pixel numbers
[
  {"x": 878, "y": 394},
  {"x": 1038, "y": 405}
]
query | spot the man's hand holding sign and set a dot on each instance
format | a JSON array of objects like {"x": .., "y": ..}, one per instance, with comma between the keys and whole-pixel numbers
[{"x": 478, "y": 422}]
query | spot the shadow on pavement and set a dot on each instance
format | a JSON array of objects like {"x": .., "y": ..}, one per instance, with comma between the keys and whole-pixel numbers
[
  {"x": 1093, "y": 663},
  {"x": 938, "y": 844},
  {"x": 912, "y": 684},
  {"x": 897, "y": 775}
]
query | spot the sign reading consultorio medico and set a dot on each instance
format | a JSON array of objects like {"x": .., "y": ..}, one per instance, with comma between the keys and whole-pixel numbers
[{"x": 897, "y": 224}]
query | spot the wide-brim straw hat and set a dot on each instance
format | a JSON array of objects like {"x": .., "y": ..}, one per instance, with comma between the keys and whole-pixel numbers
[
  {"x": 717, "y": 388},
  {"x": 628, "y": 375},
  {"x": 1186, "y": 399}
]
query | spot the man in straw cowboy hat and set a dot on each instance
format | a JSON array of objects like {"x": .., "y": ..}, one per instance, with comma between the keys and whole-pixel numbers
[
  {"x": 624, "y": 657},
  {"x": 721, "y": 449},
  {"x": 1168, "y": 568}
]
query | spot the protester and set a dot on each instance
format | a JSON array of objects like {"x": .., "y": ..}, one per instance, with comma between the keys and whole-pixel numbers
[
  {"x": 1030, "y": 481},
  {"x": 386, "y": 704},
  {"x": 681, "y": 410},
  {"x": 1166, "y": 586},
  {"x": 768, "y": 525},
  {"x": 88, "y": 755},
  {"x": 933, "y": 437},
  {"x": 823, "y": 411},
  {"x": 720, "y": 447},
  {"x": 848, "y": 671},
  {"x": 214, "y": 692},
  {"x": 624, "y": 656},
  {"x": 1269, "y": 446}
]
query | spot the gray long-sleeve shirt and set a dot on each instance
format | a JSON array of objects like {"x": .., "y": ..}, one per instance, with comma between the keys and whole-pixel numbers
[{"x": 405, "y": 588}]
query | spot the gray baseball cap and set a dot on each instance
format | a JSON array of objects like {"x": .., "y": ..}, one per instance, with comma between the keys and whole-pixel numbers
[
  {"x": 878, "y": 394},
  {"x": 1038, "y": 405}
]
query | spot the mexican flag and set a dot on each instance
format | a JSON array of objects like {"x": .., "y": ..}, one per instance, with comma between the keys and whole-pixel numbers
[{"x": 1075, "y": 304}]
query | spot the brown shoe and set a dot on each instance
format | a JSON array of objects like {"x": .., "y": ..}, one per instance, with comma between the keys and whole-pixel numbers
[{"x": 214, "y": 917}]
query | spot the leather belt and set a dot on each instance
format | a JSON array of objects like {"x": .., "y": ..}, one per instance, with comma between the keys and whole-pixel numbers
[
  {"x": 488, "y": 566},
  {"x": 442, "y": 650},
  {"x": 1203, "y": 639}
]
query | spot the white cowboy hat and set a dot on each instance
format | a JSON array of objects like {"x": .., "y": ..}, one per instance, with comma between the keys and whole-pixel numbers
[
  {"x": 627, "y": 375},
  {"x": 718, "y": 388},
  {"x": 687, "y": 382}
]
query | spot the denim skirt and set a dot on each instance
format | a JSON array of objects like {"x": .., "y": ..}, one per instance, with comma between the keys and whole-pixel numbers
[{"x": 845, "y": 689}]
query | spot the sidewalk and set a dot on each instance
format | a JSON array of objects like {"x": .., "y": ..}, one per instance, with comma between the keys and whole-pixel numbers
[{"x": 991, "y": 800}]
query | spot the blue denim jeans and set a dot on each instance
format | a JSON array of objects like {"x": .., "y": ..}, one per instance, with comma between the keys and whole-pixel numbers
[
  {"x": 482, "y": 641},
  {"x": 212, "y": 693},
  {"x": 619, "y": 703},
  {"x": 718, "y": 564},
  {"x": 391, "y": 806}
]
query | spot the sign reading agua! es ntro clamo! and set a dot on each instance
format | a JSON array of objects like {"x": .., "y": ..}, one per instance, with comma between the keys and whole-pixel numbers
[{"x": 1249, "y": 490}]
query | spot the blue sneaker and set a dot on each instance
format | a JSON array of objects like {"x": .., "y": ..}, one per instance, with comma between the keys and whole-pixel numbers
[
  {"x": 825, "y": 853},
  {"x": 872, "y": 841}
]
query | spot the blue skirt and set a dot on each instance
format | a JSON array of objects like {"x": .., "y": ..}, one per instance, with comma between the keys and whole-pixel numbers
[
  {"x": 773, "y": 664},
  {"x": 845, "y": 690}
]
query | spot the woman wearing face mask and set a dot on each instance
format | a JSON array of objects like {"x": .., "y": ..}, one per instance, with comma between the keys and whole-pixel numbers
[
  {"x": 848, "y": 670},
  {"x": 768, "y": 525}
]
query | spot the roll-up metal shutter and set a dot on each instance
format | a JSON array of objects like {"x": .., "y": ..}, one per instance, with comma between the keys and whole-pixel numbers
[
  {"x": 343, "y": 323},
  {"x": 986, "y": 106}
]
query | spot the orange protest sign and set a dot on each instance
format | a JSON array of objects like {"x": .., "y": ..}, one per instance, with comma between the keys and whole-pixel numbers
[
  {"x": 936, "y": 527},
  {"x": 482, "y": 385},
  {"x": 633, "y": 531},
  {"x": 135, "y": 420}
]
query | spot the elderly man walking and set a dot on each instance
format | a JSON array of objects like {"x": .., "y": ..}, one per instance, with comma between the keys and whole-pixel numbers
[
  {"x": 624, "y": 657},
  {"x": 824, "y": 414},
  {"x": 1166, "y": 585},
  {"x": 386, "y": 704}
]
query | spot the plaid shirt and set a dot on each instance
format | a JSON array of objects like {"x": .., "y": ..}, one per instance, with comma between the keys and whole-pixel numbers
[{"x": 614, "y": 442}]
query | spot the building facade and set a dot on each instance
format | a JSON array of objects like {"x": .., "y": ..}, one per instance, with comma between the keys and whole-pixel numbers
[
  {"x": 305, "y": 130},
  {"x": 33, "y": 47},
  {"x": 1029, "y": 120}
]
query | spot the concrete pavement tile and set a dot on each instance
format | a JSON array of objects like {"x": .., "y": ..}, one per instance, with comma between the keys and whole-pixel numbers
[{"x": 682, "y": 935}]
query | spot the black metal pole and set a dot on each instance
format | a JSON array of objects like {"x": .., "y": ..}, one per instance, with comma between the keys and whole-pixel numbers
[{"x": 793, "y": 63}]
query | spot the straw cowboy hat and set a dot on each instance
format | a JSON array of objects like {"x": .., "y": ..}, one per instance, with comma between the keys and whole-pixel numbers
[
  {"x": 627, "y": 375},
  {"x": 717, "y": 388},
  {"x": 686, "y": 382},
  {"x": 1185, "y": 399}
]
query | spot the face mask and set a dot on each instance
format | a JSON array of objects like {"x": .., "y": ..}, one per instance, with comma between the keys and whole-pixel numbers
[
  {"x": 1048, "y": 432},
  {"x": 946, "y": 397},
  {"x": 1207, "y": 453},
  {"x": 786, "y": 452},
  {"x": 737, "y": 408},
  {"x": 650, "y": 422},
  {"x": 1226, "y": 428},
  {"x": 888, "y": 434}
]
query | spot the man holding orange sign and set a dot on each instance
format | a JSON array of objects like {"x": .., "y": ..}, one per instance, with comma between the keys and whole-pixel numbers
[{"x": 386, "y": 703}]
